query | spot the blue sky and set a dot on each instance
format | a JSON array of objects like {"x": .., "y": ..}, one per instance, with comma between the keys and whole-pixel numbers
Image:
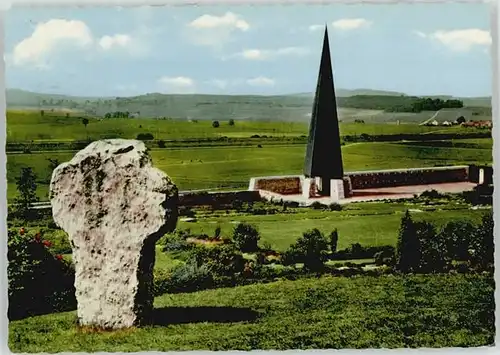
[{"x": 420, "y": 49}]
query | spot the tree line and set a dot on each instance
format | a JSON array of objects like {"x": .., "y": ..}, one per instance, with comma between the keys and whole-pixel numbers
[{"x": 412, "y": 104}]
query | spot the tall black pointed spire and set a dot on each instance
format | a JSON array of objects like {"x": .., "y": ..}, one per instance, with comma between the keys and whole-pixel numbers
[{"x": 323, "y": 155}]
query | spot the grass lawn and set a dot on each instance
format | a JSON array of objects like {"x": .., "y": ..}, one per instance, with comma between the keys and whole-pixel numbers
[
  {"x": 370, "y": 224},
  {"x": 232, "y": 167},
  {"x": 326, "y": 312}
]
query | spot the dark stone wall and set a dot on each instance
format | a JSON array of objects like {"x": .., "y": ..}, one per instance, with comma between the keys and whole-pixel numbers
[{"x": 408, "y": 177}]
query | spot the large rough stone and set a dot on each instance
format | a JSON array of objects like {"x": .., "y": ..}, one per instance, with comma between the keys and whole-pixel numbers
[{"x": 114, "y": 206}]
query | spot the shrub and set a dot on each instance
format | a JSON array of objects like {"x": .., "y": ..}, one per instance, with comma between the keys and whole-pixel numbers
[
  {"x": 432, "y": 249},
  {"x": 457, "y": 238},
  {"x": 217, "y": 232},
  {"x": 335, "y": 207},
  {"x": 431, "y": 194},
  {"x": 26, "y": 187},
  {"x": 480, "y": 195},
  {"x": 219, "y": 260},
  {"x": 357, "y": 251},
  {"x": 311, "y": 249},
  {"x": 145, "y": 137},
  {"x": 237, "y": 205},
  {"x": 186, "y": 211},
  {"x": 39, "y": 282},
  {"x": 60, "y": 241},
  {"x": 246, "y": 237},
  {"x": 215, "y": 124},
  {"x": 292, "y": 204},
  {"x": 162, "y": 282},
  {"x": 188, "y": 277},
  {"x": 318, "y": 205},
  {"x": 334, "y": 239},
  {"x": 161, "y": 143},
  {"x": 175, "y": 242},
  {"x": 231, "y": 122},
  {"x": 482, "y": 244}
]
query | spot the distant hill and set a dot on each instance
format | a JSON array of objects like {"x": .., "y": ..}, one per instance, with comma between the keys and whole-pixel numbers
[
  {"x": 355, "y": 92},
  {"x": 292, "y": 107}
]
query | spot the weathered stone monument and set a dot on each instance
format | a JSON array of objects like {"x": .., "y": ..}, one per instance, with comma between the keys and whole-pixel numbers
[
  {"x": 323, "y": 168},
  {"x": 114, "y": 205}
]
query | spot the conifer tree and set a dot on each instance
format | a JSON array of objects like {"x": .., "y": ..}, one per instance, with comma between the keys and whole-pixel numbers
[
  {"x": 407, "y": 252},
  {"x": 334, "y": 239}
]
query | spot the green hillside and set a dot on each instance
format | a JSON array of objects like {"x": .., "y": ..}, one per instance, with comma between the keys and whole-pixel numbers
[
  {"x": 295, "y": 107},
  {"x": 315, "y": 313}
]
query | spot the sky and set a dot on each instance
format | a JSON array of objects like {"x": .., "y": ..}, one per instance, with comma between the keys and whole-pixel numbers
[{"x": 418, "y": 49}]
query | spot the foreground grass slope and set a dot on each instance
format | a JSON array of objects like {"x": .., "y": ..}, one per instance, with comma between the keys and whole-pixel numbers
[
  {"x": 232, "y": 167},
  {"x": 326, "y": 312}
]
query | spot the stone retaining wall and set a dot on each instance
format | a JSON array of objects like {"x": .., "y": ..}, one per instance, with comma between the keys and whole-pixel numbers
[
  {"x": 424, "y": 176},
  {"x": 292, "y": 185}
]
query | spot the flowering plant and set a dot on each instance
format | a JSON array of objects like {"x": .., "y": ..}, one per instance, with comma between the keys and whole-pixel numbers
[{"x": 39, "y": 281}]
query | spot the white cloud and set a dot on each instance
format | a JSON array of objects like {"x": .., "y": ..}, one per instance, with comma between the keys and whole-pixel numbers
[
  {"x": 59, "y": 35},
  {"x": 211, "y": 30},
  {"x": 177, "y": 84},
  {"x": 268, "y": 54},
  {"x": 351, "y": 24},
  {"x": 117, "y": 40},
  {"x": 261, "y": 81},
  {"x": 228, "y": 20},
  {"x": 48, "y": 37},
  {"x": 463, "y": 40}
]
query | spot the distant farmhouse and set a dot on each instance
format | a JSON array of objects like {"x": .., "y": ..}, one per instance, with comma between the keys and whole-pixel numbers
[{"x": 478, "y": 124}]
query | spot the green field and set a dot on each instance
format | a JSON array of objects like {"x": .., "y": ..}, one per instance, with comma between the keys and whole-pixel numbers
[
  {"x": 24, "y": 126},
  {"x": 327, "y": 312},
  {"x": 232, "y": 167},
  {"x": 370, "y": 224}
]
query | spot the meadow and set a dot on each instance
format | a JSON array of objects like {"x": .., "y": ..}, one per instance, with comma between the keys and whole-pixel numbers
[
  {"x": 230, "y": 167},
  {"x": 27, "y": 126}
]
